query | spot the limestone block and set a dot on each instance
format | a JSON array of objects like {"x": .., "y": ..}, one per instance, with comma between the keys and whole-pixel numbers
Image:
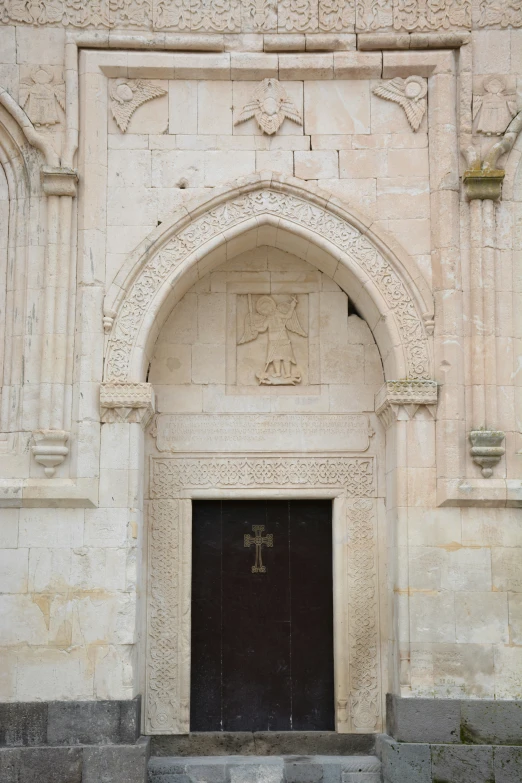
[
  {"x": 183, "y": 106},
  {"x": 463, "y": 763},
  {"x": 467, "y": 570},
  {"x": 208, "y": 363},
  {"x": 319, "y": 164},
  {"x": 7, "y": 45},
  {"x": 105, "y": 527},
  {"x": 491, "y": 51},
  {"x": 508, "y": 672},
  {"x": 215, "y": 107},
  {"x": 337, "y": 107},
  {"x": 331, "y": 142},
  {"x": 24, "y": 620},
  {"x": 351, "y": 398},
  {"x": 432, "y": 617},
  {"x": 128, "y": 141},
  {"x": 128, "y": 206},
  {"x": 51, "y": 527},
  {"x": 14, "y": 565},
  {"x": 9, "y": 528},
  {"x": 178, "y": 399},
  {"x": 50, "y": 674},
  {"x": 181, "y": 327},
  {"x": 40, "y": 46},
  {"x": 113, "y": 671},
  {"x": 275, "y": 160},
  {"x": 359, "y": 193},
  {"x": 108, "y": 619},
  {"x": 49, "y": 570},
  {"x": 412, "y": 234},
  {"x": 91, "y": 568},
  {"x": 408, "y": 163},
  {"x": 373, "y": 372},
  {"x": 171, "y": 363},
  {"x": 491, "y": 527},
  {"x": 221, "y": 167},
  {"x": 425, "y": 567},
  {"x": 307, "y": 67},
  {"x": 212, "y": 316},
  {"x": 507, "y": 569},
  {"x": 129, "y": 168},
  {"x": 482, "y": 617},
  {"x": 10, "y": 81},
  {"x": 177, "y": 167},
  {"x": 361, "y": 164},
  {"x": 400, "y": 196},
  {"x": 253, "y": 65}
]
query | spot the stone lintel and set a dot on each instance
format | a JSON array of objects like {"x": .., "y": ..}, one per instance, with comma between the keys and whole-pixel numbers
[
  {"x": 126, "y": 402},
  {"x": 59, "y": 181},
  {"x": 481, "y": 184},
  {"x": 407, "y": 396}
]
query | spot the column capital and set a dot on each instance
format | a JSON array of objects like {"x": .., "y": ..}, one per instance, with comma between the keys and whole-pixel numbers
[
  {"x": 59, "y": 181},
  {"x": 126, "y": 402},
  {"x": 483, "y": 184},
  {"x": 402, "y": 399}
]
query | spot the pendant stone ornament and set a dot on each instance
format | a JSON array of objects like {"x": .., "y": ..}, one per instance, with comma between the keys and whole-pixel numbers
[
  {"x": 409, "y": 93},
  {"x": 127, "y": 95},
  {"x": 270, "y": 105}
]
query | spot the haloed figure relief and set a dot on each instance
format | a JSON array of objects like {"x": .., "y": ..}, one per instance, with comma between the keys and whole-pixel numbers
[{"x": 278, "y": 319}]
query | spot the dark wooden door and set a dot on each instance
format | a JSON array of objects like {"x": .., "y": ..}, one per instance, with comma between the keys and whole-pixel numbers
[{"x": 262, "y": 616}]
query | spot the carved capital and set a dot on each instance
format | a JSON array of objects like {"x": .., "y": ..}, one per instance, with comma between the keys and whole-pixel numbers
[
  {"x": 126, "y": 402},
  {"x": 49, "y": 449},
  {"x": 483, "y": 184},
  {"x": 486, "y": 449},
  {"x": 402, "y": 399},
  {"x": 58, "y": 181}
]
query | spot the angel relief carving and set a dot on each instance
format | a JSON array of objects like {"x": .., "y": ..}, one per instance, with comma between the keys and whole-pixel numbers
[
  {"x": 278, "y": 319},
  {"x": 409, "y": 93},
  {"x": 494, "y": 109},
  {"x": 127, "y": 95},
  {"x": 41, "y": 95},
  {"x": 270, "y": 105}
]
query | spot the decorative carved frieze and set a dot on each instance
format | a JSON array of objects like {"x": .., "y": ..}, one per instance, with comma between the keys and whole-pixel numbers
[
  {"x": 413, "y": 15},
  {"x": 126, "y": 402},
  {"x": 409, "y": 93},
  {"x": 169, "y": 475},
  {"x": 270, "y": 105},
  {"x": 402, "y": 399},
  {"x": 499, "y": 13},
  {"x": 314, "y": 217},
  {"x": 127, "y": 95}
]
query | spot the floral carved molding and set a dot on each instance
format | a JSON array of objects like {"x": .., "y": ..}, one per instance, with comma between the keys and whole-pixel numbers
[
  {"x": 167, "y": 695},
  {"x": 234, "y": 16},
  {"x": 159, "y": 268}
]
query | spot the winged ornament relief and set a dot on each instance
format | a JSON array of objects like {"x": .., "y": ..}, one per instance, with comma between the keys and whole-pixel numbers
[
  {"x": 127, "y": 95},
  {"x": 409, "y": 93},
  {"x": 270, "y": 105},
  {"x": 40, "y": 96}
]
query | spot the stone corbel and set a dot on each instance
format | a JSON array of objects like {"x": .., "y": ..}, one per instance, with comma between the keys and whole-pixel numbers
[
  {"x": 401, "y": 400},
  {"x": 486, "y": 449},
  {"x": 483, "y": 184},
  {"x": 126, "y": 402},
  {"x": 49, "y": 449},
  {"x": 59, "y": 181}
]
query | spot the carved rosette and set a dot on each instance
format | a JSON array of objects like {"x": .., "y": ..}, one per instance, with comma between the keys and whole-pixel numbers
[
  {"x": 403, "y": 399},
  {"x": 126, "y": 402}
]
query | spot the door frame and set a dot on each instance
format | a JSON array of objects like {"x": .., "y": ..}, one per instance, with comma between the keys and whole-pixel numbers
[{"x": 357, "y": 516}]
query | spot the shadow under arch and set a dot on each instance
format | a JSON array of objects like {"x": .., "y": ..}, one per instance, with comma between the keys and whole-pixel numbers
[{"x": 269, "y": 209}]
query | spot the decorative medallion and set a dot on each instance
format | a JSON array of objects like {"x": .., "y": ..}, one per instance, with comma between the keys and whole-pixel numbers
[
  {"x": 270, "y": 105},
  {"x": 127, "y": 95},
  {"x": 409, "y": 93}
]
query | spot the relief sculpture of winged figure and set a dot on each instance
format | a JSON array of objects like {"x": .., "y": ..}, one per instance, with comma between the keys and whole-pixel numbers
[
  {"x": 409, "y": 93},
  {"x": 278, "y": 320},
  {"x": 270, "y": 105},
  {"x": 494, "y": 110},
  {"x": 127, "y": 95}
]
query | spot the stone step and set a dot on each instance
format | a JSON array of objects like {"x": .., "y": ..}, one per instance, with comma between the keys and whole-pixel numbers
[{"x": 264, "y": 769}]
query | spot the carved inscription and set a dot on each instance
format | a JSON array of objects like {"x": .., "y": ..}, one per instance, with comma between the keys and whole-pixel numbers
[{"x": 262, "y": 432}]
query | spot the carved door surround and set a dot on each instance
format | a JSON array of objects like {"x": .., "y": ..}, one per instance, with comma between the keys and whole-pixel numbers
[{"x": 351, "y": 484}]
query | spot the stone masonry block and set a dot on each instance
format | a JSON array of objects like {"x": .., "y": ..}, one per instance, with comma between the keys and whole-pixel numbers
[
  {"x": 507, "y": 763},
  {"x": 461, "y": 764},
  {"x": 406, "y": 763},
  {"x": 423, "y": 720},
  {"x": 41, "y": 765},
  {"x": 23, "y": 723},
  {"x": 303, "y": 771},
  {"x": 491, "y": 722},
  {"x": 88, "y": 723},
  {"x": 115, "y": 763}
]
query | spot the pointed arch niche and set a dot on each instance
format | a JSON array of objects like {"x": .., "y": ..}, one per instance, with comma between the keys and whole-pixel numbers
[{"x": 390, "y": 294}]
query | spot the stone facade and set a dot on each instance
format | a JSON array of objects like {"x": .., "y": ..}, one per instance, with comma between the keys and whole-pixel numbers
[{"x": 179, "y": 181}]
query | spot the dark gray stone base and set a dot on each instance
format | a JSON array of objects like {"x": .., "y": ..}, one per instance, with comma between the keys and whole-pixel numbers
[
  {"x": 405, "y": 762},
  {"x": 269, "y": 743},
  {"x": 466, "y": 721}
]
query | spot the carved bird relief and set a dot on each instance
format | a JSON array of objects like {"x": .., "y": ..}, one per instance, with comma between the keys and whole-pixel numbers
[
  {"x": 270, "y": 105},
  {"x": 409, "y": 93},
  {"x": 127, "y": 95}
]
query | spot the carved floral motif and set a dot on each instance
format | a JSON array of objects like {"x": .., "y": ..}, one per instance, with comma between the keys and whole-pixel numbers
[
  {"x": 431, "y": 14},
  {"x": 362, "y": 614},
  {"x": 500, "y": 13},
  {"x": 270, "y": 105},
  {"x": 297, "y": 16},
  {"x": 336, "y": 15},
  {"x": 409, "y": 93},
  {"x": 127, "y": 95},
  {"x": 311, "y": 216},
  {"x": 170, "y": 474}
]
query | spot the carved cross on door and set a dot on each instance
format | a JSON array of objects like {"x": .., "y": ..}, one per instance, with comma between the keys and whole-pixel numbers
[{"x": 258, "y": 540}]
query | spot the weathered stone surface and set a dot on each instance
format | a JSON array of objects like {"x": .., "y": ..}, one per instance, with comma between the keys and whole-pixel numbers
[
  {"x": 507, "y": 763},
  {"x": 116, "y": 764},
  {"x": 491, "y": 722},
  {"x": 423, "y": 720},
  {"x": 104, "y": 722},
  {"x": 41, "y": 765},
  {"x": 23, "y": 724},
  {"x": 462, "y": 764},
  {"x": 404, "y": 763}
]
